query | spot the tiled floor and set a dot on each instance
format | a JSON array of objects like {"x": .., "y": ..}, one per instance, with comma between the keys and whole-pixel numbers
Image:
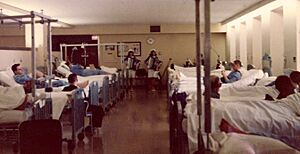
[{"x": 136, "y": 126}]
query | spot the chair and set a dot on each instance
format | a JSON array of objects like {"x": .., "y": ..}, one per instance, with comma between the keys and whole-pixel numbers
[{"x": 40, "y": 136}]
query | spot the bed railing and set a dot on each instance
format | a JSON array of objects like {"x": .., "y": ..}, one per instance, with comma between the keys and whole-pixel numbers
[
  {"x": 42, "y": 109},
  {"x": 105, "y": 92},
  {"x": 94, "y": 93},
  {"x": 113, "y": 89},
  {"x": 78, "y": 114}
]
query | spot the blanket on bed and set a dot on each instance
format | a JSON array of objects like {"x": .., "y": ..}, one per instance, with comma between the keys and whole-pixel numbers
[
  {"x": 11, "y": 97},
  {"x": 273, "y": 119}
]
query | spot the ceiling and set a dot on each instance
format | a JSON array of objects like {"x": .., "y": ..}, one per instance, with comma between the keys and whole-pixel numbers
[{"x": 78, "y": 12}]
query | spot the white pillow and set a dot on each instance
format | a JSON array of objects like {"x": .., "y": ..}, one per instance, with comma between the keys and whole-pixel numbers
[
  {"x": 10, "y": 72},
  {"x": 110, "y": 70},
  {"x": 240, "y": 143},
  {"x": 7, "y": 79},
  {"x": 265, "y": 81},
  {"x": 63, "y": 64},
  {"x": 63, "y": 70},
  {"x": 244, "y": 72}
]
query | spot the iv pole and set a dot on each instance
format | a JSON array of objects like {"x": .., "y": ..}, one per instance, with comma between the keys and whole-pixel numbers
[{"x": 201, "y": 147}]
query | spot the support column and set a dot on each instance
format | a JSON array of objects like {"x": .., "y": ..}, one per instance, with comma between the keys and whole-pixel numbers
[
  {"x": 231, "y": 42},
  {"x": 277, "y": 41},
  {"x": 237, "y": 42},
  {"x": 250, "y": 32},
  {"x": 243, "y": 43},
  {"x": 290, "y": 33},
  {"x": 257, "y": 42},
  {"x": 298, "y": 36},
  {"x": 265, "y": 23}
]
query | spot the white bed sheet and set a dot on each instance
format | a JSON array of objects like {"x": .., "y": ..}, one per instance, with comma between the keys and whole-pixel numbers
[
  {"x": 59, "y": 100},
  {"x": 189, "y": 84},
  {"x": 12, "y": 116},
  {"x": 247, "y": 144},
  {"x": 278, "y": 120}
]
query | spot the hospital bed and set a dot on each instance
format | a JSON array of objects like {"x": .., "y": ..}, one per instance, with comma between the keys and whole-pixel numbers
[
  {"x": 276, "y": 120},
  {"x": 181, "y": 83},
  {"x": 233, "y": 92},
  {"x": 115, "y": 78},
  {"x": 41, "y": 109},
  {"x": 109, "y": 98},
  {"x": 11, "y": 118}
]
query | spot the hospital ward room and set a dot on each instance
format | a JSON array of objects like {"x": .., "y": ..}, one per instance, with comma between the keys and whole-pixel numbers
[{"x": 150, "y": 77}]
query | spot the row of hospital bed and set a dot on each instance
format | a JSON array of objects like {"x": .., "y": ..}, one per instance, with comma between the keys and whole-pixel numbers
[
  {"x": 241, "y": 121},
  {"x": 103, "y": 90}
]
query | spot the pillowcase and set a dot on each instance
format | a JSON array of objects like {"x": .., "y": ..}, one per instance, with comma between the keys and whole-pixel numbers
[
  {"x": 9, "y": 72},
  {"x": 265, "y": 81},
  {"x": 63, "y": 70},
  {"x": 63, "y": 64},
  {"x": 110, "y": 70},
  {"x": 7, "y": 79}
]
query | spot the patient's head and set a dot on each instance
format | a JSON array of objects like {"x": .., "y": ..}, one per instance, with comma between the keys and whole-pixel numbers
[
  {"x": 284, "y": 85},
  {"x": 17, "y": 69},
  {"x": 295, "y": 77},
  {"x": 72, "y": 79},
  {"x": 215, "y": 86},
  {"x": 236, "y": 65}
]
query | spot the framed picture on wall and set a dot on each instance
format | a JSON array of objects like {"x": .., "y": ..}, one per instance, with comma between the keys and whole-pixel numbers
[
  {"x": 135, "y": 46},
  {"x": 109, "y": 49}
]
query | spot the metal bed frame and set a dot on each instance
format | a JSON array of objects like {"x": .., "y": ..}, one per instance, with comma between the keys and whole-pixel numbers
[
  {"x": 78, "y": 114},
  {"x": 78, "y": 106},
  {"x": 174, "y": 113},
  {"x": 10, "y": 131},
  {"x": 104, "y": 93}
]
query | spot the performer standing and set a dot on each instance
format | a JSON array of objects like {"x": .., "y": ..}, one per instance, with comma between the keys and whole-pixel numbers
[
  {"x": 153, "y": 65},
  {"x": 132, "y": 64}
]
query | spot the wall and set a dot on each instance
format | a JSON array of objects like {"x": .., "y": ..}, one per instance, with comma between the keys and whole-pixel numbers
[
  {"x": 133, "y": 29},
  {"x": 178, "y": 47},
  {"x": 271, "y": 29},
  {"x": 12, "y": 36},
  {"x": 15, "y": 56},
  {"x": 174, "y": 41}
]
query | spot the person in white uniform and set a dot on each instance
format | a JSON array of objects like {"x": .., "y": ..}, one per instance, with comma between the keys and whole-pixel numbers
[
  {"x": 153, "y": 65},
  {"x": 132, "y": 64}
]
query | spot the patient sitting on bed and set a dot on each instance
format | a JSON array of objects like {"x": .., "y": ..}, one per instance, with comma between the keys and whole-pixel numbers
[
  {"x": 73, "y": 83},
  {"x": 21, "y": 78},
  {"x": 234, "y": 75},
  {"x": 97, "y": 111},
  {"x": 285, "y": 87}
]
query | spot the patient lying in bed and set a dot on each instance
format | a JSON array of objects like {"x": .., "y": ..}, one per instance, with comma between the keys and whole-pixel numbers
[
  {"x": 80, "y": 70},
  {"x": 21, "y": 78},
  {"x": 285, "y": 87}
]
